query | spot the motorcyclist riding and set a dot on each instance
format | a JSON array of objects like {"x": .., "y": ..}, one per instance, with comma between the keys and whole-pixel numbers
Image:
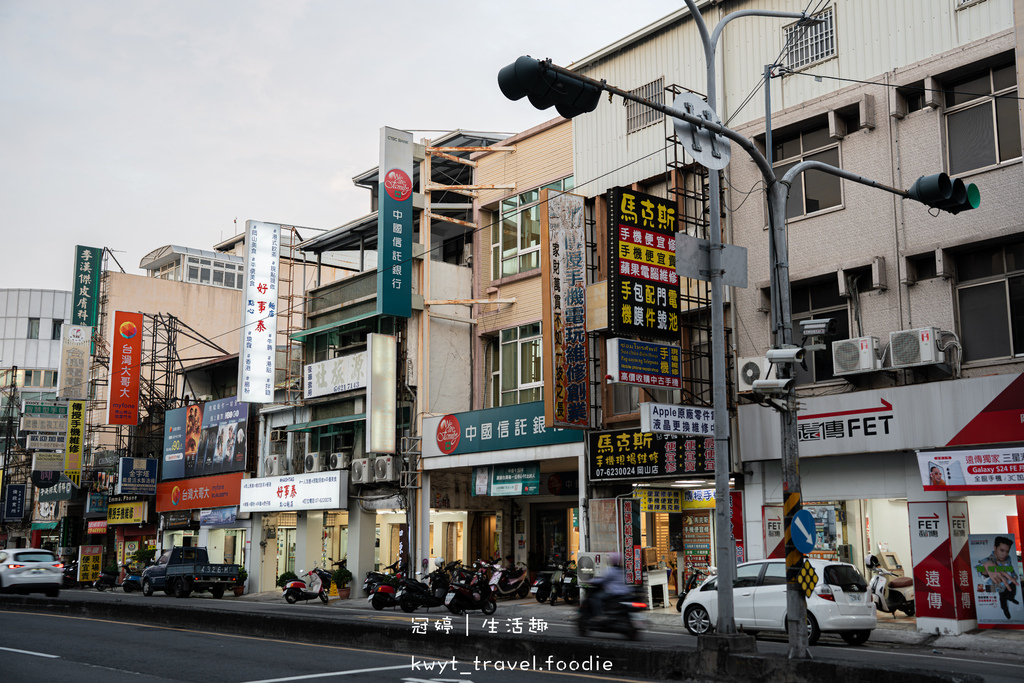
[{"x": 611, "y": 584}]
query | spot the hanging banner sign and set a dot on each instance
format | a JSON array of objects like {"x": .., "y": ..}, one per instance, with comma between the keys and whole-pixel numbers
[
  {"x": 259, "y": 313},
  {"x": 996, "y": 578},
  {"x": 336, "y": 375},
  {"x": 37, "y": 416},
  {"x": 125, "y": 362},
  {"x": 629, "y": 539},
  {"x": 989, "y": 469},
  {"x": 563, "y": 246},
  {"x": 632, "y": 454},
  {"x": 137, "y": 476},
  {"x": 644, "y": 364},
  {"x": 314, "y": 491},
  {"x": 661, "y": 418},
  {"x": 74, "y": 441},
  {"x": 643, "y": 287},
  {"x": 73, "y": 375},
  {"x": 14, "y": 505},
  {"x": 89, "y": 562},
  {"x": 960, "y": 548},
  {"x": 394, "y": 224},
  {"x": 933, "y": 565},
  {"x": 85, "y": 287},
  {"x": 198, "y": 493}
]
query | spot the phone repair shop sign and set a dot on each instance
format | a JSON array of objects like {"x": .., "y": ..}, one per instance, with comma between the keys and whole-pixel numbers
[
  {"x": 127, "y": 513},
  {"x": 631, "y": 454}
]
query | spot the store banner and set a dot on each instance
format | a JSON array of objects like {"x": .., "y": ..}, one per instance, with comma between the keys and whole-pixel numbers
[
  {"x": 44, "y": 416},
  {"x": 86, "y": 285},
  {"x": 660, "y": 500},
  {"x": 336, "y": 375},
  {"x": 661, "y": 418},
  {"x": 772, "y": 522},
  {"x": 563, "y": 244},
  {"x": 47, "y": 442},
  {"x": 644, "y": 364},
  {"x": 633, "y": 454},
  {"x": 174, "y": 444},
  {"x": 629, "y": 540},
  {"x": 44, "y": 479},
  {"x": 492, "y": 429},
  {"x": 218, "y": 516},
  {"x": 137, "y": 476},
  {"x": 934, "y": 595},
  {"x": 201, "y": 492},
  {"x": 220, "y": 445},
  {"x": 128, "y": 513},
  {"x": 259, "y": 313},
  {"x": 960, "y": 548},
  {"x": 508, "y": 480},
  {"x": 125, "y": 363},
  {"x": 90, "y": 558},
  {"x": 73, "y": 371},
  {"x": 73, "y": 442},
  {"x": 177, "y": 520},
  {"x": 996, "y": 578},
  {"x": 314, "y": 491},
  {"x": 394, "y": 224},
  {"x": 14, "y": 503},
  {"x": 990, "y": 469},
  {"x": 643, "y": 287}
]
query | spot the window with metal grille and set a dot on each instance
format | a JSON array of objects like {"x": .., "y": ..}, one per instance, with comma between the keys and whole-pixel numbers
[
  {"x": 811, "y": 43},
  {"x": 640, "y": 116}
]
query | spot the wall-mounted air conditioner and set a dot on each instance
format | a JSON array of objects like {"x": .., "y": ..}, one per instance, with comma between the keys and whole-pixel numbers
[
  {"x": 313, "y": 462},
  {"x": 386, "y": 468},
  {"x": 851, "y": 356},
  {"x": 749, "y": 370},
  {"x": 273, "y": 466},
  {"x": 590, "y": 565},
  {"x": 362, "y": 471},
  {"x": 915, "y": 347},
  {"x": 339, "y": 460}
]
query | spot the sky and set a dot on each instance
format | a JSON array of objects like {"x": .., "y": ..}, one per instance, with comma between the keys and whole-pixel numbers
[{"x": 139, "y": 123}]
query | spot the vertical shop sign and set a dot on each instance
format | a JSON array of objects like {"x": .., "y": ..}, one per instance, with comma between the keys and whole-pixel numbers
[
  {"x": 89, "y": 561},
  {"x": 86, "y": 286},
  {"x": 73, "y": 444},
  {"x": 394, "y": 224},
  {"x": 774, "y": 531},
  {"x": 14, "y": 505},
  {"x": 259, "y": 313},
  {"x": 736, "y": 521},
  {"x": 125, "y": 362},
  {"x": 996, "y": 578},
  {"x": 381, "y": 393},
  {"x": 73, "y": 372},
  {"x": 174, "y": 444},
  {"x": 629, "y": 539},
  {"x": 563, "y": 243},
  {"x": 961, "y": 553},
  {"x": 643, "y": 287},
  {"x": 933, "y": 566}
]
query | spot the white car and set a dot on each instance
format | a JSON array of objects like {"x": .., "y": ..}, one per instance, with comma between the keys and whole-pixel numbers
[
  {"x": 30, "y": 570},
  {"x": 840, "y": 603}
]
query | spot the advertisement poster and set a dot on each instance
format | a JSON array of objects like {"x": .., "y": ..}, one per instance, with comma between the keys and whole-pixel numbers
[
  {"x": 645, "y": 364},
  {"x": 394, "y": 224},
  {"x": 996, "y": 577},
  {"x": 989, "y": 469},
  {"x": 89, "y": 561},
  {"x": 174, "y": 443},
  {"x": 259, "y": 313},
  {"x": 509, "y": 480},
  {"x": 933, "y": 567},
  {"x": 629, "y": 539},
  {"x": 631, "y": 453},
  {"x": 125, "y": 362},
  {"x": 564, "y": 268},
  {"x": 214, "y": 439},
  {"x": 643, "y": 287}
]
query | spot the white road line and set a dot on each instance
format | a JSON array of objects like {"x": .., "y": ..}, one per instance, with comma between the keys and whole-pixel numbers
[
  {"x": 29, "y": 652},
  {"x": 331, "y": 673},
  {"x": 950, "y": 658}
]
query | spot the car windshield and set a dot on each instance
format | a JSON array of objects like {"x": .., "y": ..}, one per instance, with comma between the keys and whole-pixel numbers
[
  {"x": 846, "y": 577},
  {"x": 34, "y": 557}
]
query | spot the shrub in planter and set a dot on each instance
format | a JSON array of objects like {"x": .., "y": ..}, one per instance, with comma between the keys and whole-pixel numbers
[
  {"x": 285, "y": 578},
  {"x": 342, "y": 577}
]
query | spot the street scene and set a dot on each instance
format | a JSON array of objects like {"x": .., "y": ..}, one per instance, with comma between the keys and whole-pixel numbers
[{"x": 726, "y": 296}]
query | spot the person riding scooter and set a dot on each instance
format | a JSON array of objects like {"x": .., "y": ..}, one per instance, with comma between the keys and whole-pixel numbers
[{"x": 611, "y": 584}]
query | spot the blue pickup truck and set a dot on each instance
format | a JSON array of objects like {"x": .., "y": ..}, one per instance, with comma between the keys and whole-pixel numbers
[{"x": 182, "y": 570}]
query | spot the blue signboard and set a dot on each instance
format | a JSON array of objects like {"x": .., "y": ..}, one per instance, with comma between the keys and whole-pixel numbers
[
  {"x": 394, "y": 224},
  {"x": 137, "y": 476},
  {"x": 174, "y": 443},
  {"x": 803, "y": 531},
  {"x": 14, "y": 506},
  {"x": 645, "y": 363}
]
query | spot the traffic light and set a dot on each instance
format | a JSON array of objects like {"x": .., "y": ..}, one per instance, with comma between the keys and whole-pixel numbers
[
  {"x": 529, "y": 77},
  {"x": 939, "y": 191}
]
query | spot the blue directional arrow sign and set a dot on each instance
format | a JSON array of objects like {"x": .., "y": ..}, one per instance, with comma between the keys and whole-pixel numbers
[{"x": 803, "y": 531}]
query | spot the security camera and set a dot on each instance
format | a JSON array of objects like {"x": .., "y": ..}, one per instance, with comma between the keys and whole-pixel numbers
[
  {"x": 773, "y": 387},
  {"x": 818, "y": 327},
  {"x": 793, "y": 354}
]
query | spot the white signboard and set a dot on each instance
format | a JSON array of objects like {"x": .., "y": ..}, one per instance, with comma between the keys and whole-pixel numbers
[
  {"x": 47, "y": 442},
  {"x": 48, "y": 462},
  {"x": 259, "y": 313},
  {"x": 662, "y": 418},
  {"x": 314, "y": 491},
  {"x": 336, "y": 375},
  {"x": 990, "y": 469},
  {"x": 381, "y": 393},
  {"x": 73, "y": 375}
]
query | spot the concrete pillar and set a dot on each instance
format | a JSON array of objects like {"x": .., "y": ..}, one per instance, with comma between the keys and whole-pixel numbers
[
  {"x": 362, "y": 532},
  {"x": 422, "y": 552},
  {"x": 309, "y": 534}
]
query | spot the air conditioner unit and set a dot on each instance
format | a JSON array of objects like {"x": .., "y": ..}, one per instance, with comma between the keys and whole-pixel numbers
[
  {"x": 589, "y": 566},
  {"x": 748, "y": 370},
  {"x": 361, "y": 471},
  {"x": 915, "y": 347},
  {"x": 339, "y": 460},
  {"x": 278, "y": 435},
  {"x": 273, "y": 466},
  {"x": 313, "y": 462},
  {"x": 386, "y": 468},
  {"x": 855, "y": 355}
]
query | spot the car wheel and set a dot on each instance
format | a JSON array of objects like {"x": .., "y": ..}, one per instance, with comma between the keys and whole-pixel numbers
[
  {"x": 489, "y": 607},
  {"x": 147, "y": 588},
  {"x": 181, "y": 589},
  {"x": 697, "y": 620},
  {"x": 217, "y": 592},
  {"x": 813, "y": 632},
  {"x": 855, "y": 637}
]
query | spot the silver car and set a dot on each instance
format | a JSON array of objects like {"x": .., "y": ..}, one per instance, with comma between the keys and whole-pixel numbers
[{"x": 30, "y": 570}]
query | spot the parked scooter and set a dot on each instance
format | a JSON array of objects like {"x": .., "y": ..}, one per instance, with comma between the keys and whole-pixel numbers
[
  {"x": 617, "y": 615},
  {"x": 383, "y": 588},
  {"x": 567, "y": 587},
  {"x": 889, "y": 591},
  {"x": 697, "y": 576},
  {"x": 472, "y": 592},
  {"x": 132, "y": 581},
  {"x": 413, "y": 594},
  {"x": 69, "y": 575},
  {"x": 318, "y": 587},
  {"x": 542, "y": 585},
  {"x": 107, "y": 579},
  {"x": 511, "y": 581}
]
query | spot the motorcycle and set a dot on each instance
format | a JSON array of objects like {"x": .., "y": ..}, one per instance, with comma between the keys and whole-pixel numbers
[
  {"x": 621, "y": 614},
  {"x": 319, "y": 586},
  {"x": 383, "y": 588},
  {"x": 567, "y": 587},
  {"x": 471, "y": 592},
  {"x": 510, "y": 581},
  {"x": 413, "y": 594},
  {"x": 132, "y": 581},
  {"x": 69, "y": 575},
  {"x": 107, "y": 579},
  {"x": 889, "y": 592},
  {"x": 697, "y": 576},
  {"x": 542, "y": 585}
]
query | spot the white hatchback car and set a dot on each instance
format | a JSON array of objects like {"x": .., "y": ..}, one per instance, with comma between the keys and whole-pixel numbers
[
  {"x": 840, "y": 603},
  {"x": 30, "y": 570}
]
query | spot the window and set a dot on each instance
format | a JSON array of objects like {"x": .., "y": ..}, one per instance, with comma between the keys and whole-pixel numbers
[
  {"x": 55, "y": 329},
  {"x": 639, "y": 116},
  {"x": 33, "y": 328},
  {"x": 747, "y": 575},
  {"x": 213, "y": 272},
  {"x": 819, "y": 300},
  {"x": 774, "y": 574},
  {"x": 811, "y": 43},
  {"x": 982, "y": 123},
  {"x": 515, "y": 365},
  {"x": 990, "y": 296},
  {"x": 515, "y": 239},
  {"x": 812, "y": 190}
]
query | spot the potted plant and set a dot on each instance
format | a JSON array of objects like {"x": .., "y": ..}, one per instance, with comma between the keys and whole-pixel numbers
[
  {"x": 239, "y": 587},
  {"x": 341, "y": 578}
]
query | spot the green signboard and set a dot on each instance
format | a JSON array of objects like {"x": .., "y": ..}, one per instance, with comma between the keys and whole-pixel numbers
[
  {"x": 394, "y": 224},
  {"x": 85, "y": 287},
  {"x": 493, "y": 429},
  {"x": 507, "y": 480}
]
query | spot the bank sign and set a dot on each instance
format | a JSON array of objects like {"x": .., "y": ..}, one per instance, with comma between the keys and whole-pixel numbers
[{"x": 492, "y": 429}]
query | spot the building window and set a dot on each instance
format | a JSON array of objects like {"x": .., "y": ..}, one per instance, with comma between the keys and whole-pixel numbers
[
  {"x": 639, "y": 116},
  {"x": 811, "y": 43},
  {"x": 33, "y": 328},
  {"x": 819, "y": 300},
  {"x": 990, "y": 296},
  {"x": 515, "y": 240},
  {"x": 982, "y": 123},
  {"x": 55, "y": 329},
  {"x": 213, "y": 272},
  {"x": 812, "y": 190},
  {"x": 515, "y": 366}
]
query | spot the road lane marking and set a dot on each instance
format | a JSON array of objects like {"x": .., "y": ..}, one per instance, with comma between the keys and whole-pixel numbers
[
  {"x": 29, "y": 652},
  {"x": 332, "y": 673}
]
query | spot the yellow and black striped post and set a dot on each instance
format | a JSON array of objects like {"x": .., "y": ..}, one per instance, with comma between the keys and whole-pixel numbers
[{"x": 791, "y": 505}]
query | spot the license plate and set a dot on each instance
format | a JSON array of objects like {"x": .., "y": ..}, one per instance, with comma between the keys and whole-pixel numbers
[
  {"x": 533, "y": 590},
  {"x": 567, "y": 581},
  {"x": 854, "y": 597},
  {"x": 448, "y": 598},
  {"x": 400, "y": 593}
]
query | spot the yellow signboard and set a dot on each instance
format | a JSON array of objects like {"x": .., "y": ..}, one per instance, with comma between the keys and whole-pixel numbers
[
  {"x": 73, "y": 443},
  {"x": 127, "y": 513},
  {"x": 660, "y": 500},
  {"x": 90, "y": 559}
]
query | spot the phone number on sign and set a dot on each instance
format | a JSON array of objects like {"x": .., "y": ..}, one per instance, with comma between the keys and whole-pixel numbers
[{"x": 628, "y": 471}]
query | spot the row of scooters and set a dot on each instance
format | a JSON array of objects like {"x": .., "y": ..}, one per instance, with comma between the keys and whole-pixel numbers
[
  {"x": 561, "y": 581},
  {"x": 107, "y": 579}
]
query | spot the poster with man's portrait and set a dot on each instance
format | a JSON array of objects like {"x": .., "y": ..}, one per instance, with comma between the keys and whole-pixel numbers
[{"x": 995, "y": 574}]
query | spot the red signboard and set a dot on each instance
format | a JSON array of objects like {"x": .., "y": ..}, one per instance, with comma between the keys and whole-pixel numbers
[
  {"x": 125, "y": 361},
  {"x": 98, "y": 526},
  {"x": 203, "y": 492}
]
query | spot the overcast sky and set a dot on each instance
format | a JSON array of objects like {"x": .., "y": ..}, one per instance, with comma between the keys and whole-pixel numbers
[{"x": 134, "y": 124}]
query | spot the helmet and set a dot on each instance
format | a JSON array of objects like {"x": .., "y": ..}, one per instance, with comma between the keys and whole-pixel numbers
[{"x": 614, "y": 559}]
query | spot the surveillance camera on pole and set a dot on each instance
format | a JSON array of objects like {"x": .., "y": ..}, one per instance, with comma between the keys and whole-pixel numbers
[
  {"x": 790, "y": 354},
  {"x": 773, "y": 387}
]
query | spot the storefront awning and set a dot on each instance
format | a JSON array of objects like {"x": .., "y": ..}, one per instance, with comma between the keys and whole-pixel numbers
[
  {"x": 44, "y": 525},
  {"x": 307, "y": 426},
  {"x": 300, "y": 336}
]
